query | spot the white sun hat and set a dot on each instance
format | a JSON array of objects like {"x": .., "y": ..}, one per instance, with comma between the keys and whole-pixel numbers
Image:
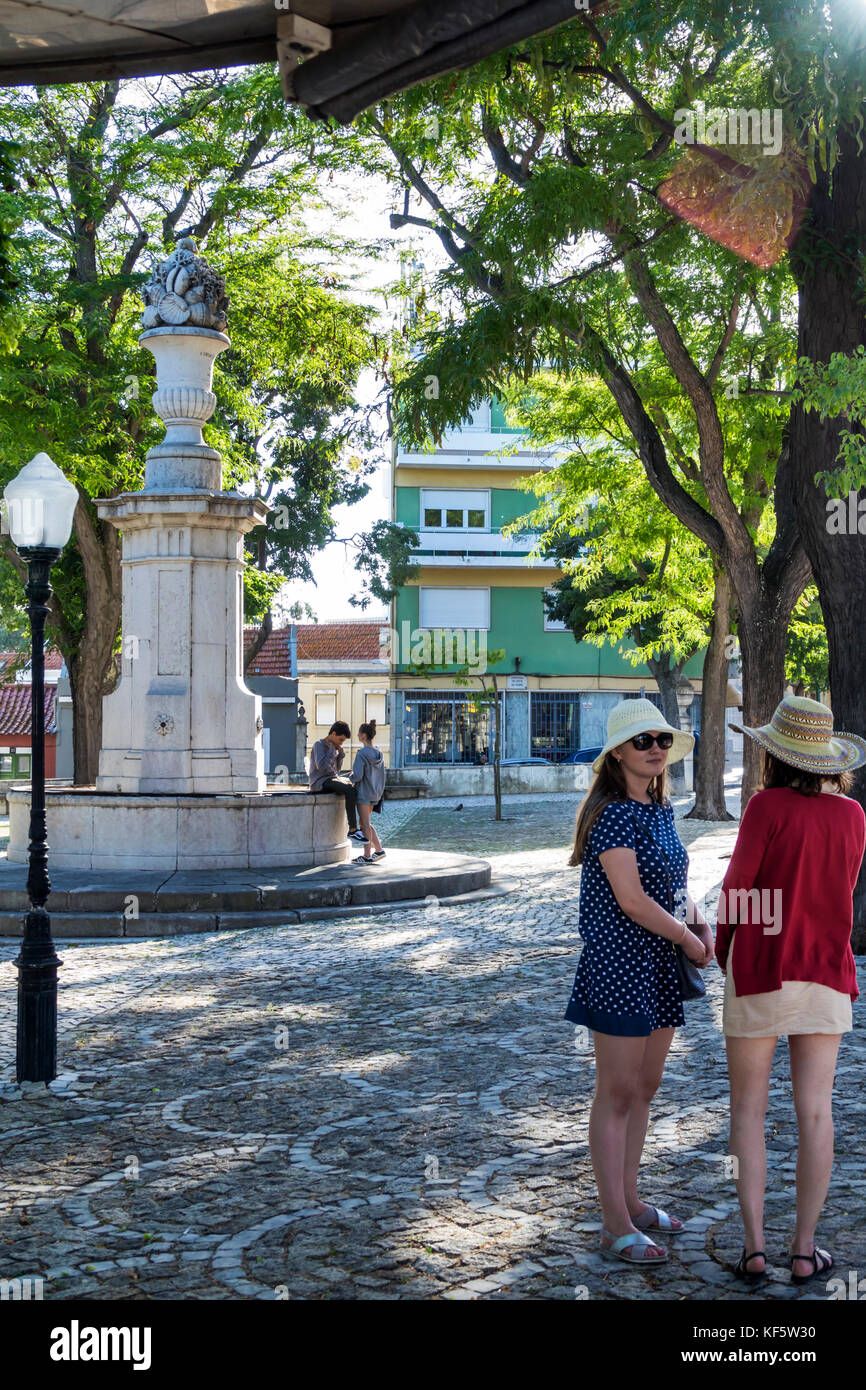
[{"x": 632, "y": 717}]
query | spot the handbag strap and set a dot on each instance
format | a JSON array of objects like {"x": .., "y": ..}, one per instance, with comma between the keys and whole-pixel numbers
[{"x": 663, "y": 853}]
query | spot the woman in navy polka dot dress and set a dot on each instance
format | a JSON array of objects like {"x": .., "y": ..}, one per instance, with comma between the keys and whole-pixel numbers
[{"x": 625, "y": 989}]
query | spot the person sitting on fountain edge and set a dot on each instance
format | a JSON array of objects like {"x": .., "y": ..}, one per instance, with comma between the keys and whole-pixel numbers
[{"x": 326, "y": 759}]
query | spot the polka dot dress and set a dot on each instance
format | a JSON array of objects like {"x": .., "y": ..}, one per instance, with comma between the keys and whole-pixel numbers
[{"x": 626, "y": 981}]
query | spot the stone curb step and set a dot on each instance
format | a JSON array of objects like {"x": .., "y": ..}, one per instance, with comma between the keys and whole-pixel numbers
[
  {"x": 463, "y": 876},
  {"x": 71, "y": 926}
]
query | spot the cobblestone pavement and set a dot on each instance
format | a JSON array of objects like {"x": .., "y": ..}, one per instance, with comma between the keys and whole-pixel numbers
[{"x": 381, "y": 1107}]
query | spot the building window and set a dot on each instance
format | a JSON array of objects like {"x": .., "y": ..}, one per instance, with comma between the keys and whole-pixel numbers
[
  {"x": 555, "y": 724},
  {"x": 455, "y": 608},
  {"x": 552, "y": 624},
  {"x": 6, "y": 765},
  {"x": 374, "y": 706},
  {"x": 447, "y": 726},
  {"x": 24, "y": 764},
  {"x": 455, "y": 510},
  {"x": 326, "y": 707},
  {"x": 498, "y": 419},
  {"x": 480, "y": 418}
]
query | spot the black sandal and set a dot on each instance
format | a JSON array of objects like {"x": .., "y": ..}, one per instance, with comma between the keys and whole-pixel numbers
[
  {"x": 752, "y": 1275},
  {"x": 826, "y": 1265}
]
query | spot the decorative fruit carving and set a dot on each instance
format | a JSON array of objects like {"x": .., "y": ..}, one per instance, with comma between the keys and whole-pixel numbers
[
  {"x": 185, "y": 289},
  {"x": 172, "y": 309}
]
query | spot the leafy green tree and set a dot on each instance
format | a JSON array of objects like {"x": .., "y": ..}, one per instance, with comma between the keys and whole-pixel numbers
[
  {"x": 562, "y": 254},
  {"x": 107, "y": 177},
  {"x": 634, "y": 578},
  {"x": 602, "y": 479}
]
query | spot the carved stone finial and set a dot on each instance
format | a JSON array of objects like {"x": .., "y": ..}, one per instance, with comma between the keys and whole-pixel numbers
[{"x": 184, "y": 291}]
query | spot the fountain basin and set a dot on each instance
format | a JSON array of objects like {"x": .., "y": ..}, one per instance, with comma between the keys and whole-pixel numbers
[{"x": 288, "y": 827}]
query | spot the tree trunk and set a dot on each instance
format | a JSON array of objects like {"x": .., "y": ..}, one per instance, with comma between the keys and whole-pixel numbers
[
  {"x": 497, "y": 753},
  {"x": 86, "y": 689},
  {"x": 710, "y": 781},
  {"x": 90, "y": 659},
  {"x": 259, "y": 640},
  {"x": 832, "y": 319},
  {"x": 669, "y": 678},
  {"x": 763, "y": 632}
]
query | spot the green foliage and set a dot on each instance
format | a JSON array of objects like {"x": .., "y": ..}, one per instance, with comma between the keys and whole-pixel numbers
[
  {"x": 807, "y": 663},
  {"x": 837, "y": 391},
  {"x": 105, "y": 177},
  {"x": 9, "y": 221}
]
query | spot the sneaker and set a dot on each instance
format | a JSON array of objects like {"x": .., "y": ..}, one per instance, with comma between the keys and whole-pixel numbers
[
  {"x": 359, "y": 837},
  {"x": 378, "y": 854},
  {"x": 361, "y": 860}
]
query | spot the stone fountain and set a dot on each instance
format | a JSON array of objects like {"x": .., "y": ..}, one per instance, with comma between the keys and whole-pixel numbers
[{"x": 181, "y": 782}]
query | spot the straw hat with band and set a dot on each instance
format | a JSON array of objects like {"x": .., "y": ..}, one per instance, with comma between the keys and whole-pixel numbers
[
  {"x": 801, "y": 733},
  {"x": 632, "y": 717}
]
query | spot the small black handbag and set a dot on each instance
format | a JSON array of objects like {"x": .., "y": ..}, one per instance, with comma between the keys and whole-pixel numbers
[{"x": 689, "y": 978}]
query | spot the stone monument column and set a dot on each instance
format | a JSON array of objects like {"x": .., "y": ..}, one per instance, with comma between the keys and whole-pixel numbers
[{"x": 181, "y": 719}]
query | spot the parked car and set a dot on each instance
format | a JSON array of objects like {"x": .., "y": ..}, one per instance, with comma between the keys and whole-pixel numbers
[
  {"x": 525, "y": 762},
  {"x": 585, "y": 755}
]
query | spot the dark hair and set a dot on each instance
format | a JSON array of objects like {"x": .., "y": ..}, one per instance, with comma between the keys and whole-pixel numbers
[
  {"x": 778, "y": 773},
  {"x": 341, "y": 727},
  {"x": 608, "y": 785},
  {"x": 368, "y": 730}
]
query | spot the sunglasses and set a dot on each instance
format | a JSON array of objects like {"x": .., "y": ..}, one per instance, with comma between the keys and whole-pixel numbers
[{"x": 644, "y": 741}]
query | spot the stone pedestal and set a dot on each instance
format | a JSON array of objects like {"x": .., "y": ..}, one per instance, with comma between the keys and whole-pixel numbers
[{"x": 181, "y": 719}]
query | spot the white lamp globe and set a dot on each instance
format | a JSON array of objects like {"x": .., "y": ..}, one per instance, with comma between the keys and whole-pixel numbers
[{"x": 40, "y": 503}]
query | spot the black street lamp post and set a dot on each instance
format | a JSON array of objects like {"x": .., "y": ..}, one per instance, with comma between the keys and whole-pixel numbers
[
  {"x": 36, "y": 1052},
  {"x": 40, "y": 503}
]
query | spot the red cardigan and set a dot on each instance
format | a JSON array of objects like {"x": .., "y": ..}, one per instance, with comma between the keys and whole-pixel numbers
[{"x": 803, "y": 855}]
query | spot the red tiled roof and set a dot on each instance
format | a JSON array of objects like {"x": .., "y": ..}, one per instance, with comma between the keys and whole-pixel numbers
[
  {"x": 21, "y": 660},
  {"x": 316, "y": 642},
  {"x": 15, "y": 710}
]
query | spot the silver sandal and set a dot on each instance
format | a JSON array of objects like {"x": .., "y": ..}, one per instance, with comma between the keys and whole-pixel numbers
[
  {"x": 619, "y": 1244},
  {"x": 661, "y": 1222}
]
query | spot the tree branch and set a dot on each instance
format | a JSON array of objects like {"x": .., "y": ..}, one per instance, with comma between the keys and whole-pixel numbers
[
  {"x": 503, "y": 160},
  {"x": 730, "y": 329},
  {"x": 254, "y": 148}
]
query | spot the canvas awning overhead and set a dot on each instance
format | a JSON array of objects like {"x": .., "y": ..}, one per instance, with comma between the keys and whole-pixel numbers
[{"x": 352, "y": 53}]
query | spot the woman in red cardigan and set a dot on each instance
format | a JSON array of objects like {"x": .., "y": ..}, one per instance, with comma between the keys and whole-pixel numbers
[{"x": 783, "y": 939}]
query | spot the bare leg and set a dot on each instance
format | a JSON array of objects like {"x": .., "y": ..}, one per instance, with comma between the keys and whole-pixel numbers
[
  {"x": 813, "y": 1065},
  {"x": 372, "y": 833},
  {"x": 649, "y": 1079},
  {"x": 750, "y": 1061},
  {"x": 364, "y": 816},
  {"x": 618, "y": 1063}
]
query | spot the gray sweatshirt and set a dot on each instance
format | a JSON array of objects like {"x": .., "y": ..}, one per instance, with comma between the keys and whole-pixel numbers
[
  {"x": 325, "y": 762},
  {"x": 368, "y": 775}
]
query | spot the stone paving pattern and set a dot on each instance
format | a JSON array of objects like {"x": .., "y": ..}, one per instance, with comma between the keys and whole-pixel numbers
[{"x": 385, "y": 1107}]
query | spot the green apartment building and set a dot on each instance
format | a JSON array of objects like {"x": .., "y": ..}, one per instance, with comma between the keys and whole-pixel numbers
[{"x": 477, "y": 592}]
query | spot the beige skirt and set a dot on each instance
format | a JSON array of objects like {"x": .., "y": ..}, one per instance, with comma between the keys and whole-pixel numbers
[{"x": 800, "y": 1006}]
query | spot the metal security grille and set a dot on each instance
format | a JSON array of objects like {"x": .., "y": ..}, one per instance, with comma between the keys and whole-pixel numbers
[
  {"x": 555, "y": 724},
  {"x": 446, "y": 727},
  {"x": 694, "y": 708},
  {"x": 651, "y": 695}
]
